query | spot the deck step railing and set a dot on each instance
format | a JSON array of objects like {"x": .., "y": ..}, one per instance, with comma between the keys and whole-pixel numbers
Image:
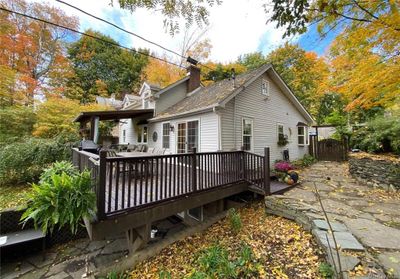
[{"x": 131, "y": 183}]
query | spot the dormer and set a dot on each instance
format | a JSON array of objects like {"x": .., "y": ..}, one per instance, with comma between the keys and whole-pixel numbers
[{"x": 146, "y": 93}]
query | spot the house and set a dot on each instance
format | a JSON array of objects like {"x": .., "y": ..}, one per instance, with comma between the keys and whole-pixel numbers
[{"x": 253, "y": 110}]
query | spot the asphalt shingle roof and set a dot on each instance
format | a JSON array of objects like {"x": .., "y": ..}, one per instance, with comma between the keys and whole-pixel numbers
[{"x": 210, "y": 96}]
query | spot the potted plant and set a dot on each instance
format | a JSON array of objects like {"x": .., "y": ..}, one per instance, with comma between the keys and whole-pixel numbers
[
  {"x": 283, "y": 140},
  {"x": 286, "y": 173}
]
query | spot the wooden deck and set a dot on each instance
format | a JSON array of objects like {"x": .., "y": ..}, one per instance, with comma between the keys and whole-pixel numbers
[{"x": 125, "y": 184}]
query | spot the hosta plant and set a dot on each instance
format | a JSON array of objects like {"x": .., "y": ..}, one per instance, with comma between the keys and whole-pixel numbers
[
  {"x": 58, "y": 168},
  {"x": 64, "y": 200}
]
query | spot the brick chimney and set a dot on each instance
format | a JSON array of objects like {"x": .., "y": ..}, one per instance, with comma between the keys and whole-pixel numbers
[{"x": 194, "y": 80}]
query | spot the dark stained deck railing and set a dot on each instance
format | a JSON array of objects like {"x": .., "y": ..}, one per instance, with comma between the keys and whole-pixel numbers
[{"x": 124, "y": 184}]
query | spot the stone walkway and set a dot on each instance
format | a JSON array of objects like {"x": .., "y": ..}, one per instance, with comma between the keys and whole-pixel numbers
[{"x": 366, "y": 221}]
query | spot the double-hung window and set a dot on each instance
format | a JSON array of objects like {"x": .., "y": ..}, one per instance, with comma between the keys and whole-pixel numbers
[
  {"x": 281, "y": 135},
  {"x": 302, "y": 135},
  {"x": 247, "y": 134},
  {"x": 165, "y": 135},
  {"x": 265, "y": 87}
]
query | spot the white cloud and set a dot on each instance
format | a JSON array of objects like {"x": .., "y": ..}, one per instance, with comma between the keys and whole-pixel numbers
[{"x": 236, "y": 27}]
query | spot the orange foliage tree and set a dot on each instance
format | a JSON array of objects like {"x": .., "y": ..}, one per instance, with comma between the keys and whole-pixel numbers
[{"x": 32, "y": 49}]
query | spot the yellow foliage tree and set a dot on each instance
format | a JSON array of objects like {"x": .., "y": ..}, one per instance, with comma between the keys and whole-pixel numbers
[
  {"x": 161, "y": 73},
  {"x": 55, "y": 116}
]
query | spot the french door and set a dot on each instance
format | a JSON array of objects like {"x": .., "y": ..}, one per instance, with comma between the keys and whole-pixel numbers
[{"x": 188, "y": 136}]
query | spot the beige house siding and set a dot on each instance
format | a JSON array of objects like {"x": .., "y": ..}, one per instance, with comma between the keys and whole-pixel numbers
[{"x": 266, "y": 113}]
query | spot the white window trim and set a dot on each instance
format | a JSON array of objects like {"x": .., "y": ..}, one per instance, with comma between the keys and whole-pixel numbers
[
  {"x": 252, "y": 133},
  {"x": 169, "y": 134},
  {"x": 176, "y": 134},
  {"x": 306, "y": 136},
  {"x": 267, "y": 93}
]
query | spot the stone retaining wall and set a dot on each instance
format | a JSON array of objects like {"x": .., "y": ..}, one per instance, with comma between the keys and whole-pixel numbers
[{"x": 375, "y": 171}]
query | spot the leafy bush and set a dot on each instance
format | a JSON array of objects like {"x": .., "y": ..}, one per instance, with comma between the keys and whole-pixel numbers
[
  {"x": 58, "y": 168},
  {"x": 306, "y": 161},
  {"x": 234, "y": 220},
  {"x": 16, "y": 123},
  {"x": 381, "y": 134},
  {"x": 214, "y": 262},
  {"x": 326, "y": 270},
  {"x": 283, "y": 166},
  {"x": 217, "y": 262},
  {"x": 22, "y": 162},
  {"x": 65, "y": 200}
]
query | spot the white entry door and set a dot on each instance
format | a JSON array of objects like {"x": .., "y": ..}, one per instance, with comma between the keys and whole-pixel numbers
[{"x": 188, "y": 136}]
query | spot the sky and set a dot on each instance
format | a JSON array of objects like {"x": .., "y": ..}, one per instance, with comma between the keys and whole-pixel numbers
[{"x": 235, "y": 27}]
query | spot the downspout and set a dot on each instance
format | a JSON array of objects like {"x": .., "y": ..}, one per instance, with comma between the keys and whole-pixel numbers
[{"x": 234, "y": 124}]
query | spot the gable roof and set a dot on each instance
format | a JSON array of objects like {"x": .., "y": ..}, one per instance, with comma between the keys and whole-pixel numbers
[
  {"x": 219, "y": 93},
  {"x": 172, "y": 85}
]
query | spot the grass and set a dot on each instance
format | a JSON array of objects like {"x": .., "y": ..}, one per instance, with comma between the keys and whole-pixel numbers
[
  {"x": 265, "y": 247},
  {"x": 13, "y": 196}
]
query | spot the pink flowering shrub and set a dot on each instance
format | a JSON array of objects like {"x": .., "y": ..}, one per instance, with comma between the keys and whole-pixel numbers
[{"x": 283, "y": 166}]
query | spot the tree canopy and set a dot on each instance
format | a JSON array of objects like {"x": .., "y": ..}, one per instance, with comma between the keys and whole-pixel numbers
[
  {"x": 103, "y": 69},
  {"x": 31, "y": 52}
]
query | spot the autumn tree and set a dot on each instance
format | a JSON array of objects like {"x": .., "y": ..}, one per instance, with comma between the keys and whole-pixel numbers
[
  {"x": 161, "y": 73},
  {"x": 55, "y": 116},
  {"x": 304, "y": 72},
  {"x": 101, "y": 68},
  {"x": 218, "y": 71},
  {"x": 252, "y": 60},
  {"x": 32, "y": 50},
  {"x": 364, "y": 57}
]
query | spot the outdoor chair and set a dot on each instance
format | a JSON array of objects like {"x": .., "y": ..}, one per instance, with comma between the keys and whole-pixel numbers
[{"x": 131, "y": 147}]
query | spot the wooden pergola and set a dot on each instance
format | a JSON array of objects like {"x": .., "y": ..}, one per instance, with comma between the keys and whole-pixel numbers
[{"x": 93, "y": 117}]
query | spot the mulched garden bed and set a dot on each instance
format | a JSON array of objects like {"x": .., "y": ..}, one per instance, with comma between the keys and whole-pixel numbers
[{"x": 279, "y": 248}]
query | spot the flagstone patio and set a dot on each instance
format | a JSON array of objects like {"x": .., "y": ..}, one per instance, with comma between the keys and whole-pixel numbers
[{"x": 368, "y": 219}]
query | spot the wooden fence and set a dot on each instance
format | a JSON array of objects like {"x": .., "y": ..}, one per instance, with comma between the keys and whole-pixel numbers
[
  {"x": 123, "y": 184},
  {"x": 328, "y": 149}
]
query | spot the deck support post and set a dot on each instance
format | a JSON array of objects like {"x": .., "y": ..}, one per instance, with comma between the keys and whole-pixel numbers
[
  {"x": 194, "y": 169},
  {"x": 101, "y": 186},
  {"x": 138, "y": 237},
  {"x": 267, "y": 179}
]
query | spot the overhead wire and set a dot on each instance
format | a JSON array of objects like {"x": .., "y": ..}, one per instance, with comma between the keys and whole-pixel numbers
[{"x": 91, "y": 36}]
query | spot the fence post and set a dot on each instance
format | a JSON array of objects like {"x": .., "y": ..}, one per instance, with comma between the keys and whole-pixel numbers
[
  {"x": 267, "y": 179},
  {"x": 243, "y": 163},
  {"x": 194, "y": 169},
  {"x": 101, "y": 191}
]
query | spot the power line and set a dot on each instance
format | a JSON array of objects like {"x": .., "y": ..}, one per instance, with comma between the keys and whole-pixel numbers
[
  {"x": 91, "y": 36},
  {"x": 187, "y": 58},
  {"x": 120, "y": 28}
]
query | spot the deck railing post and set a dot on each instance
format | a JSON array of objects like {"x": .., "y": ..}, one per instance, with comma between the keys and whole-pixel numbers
[
  {"x": 243, "y": 166},
  {"x": 194, "y": 169},
  {"x": 267, "y": 180},
  {"x": 101, "y": 190}
]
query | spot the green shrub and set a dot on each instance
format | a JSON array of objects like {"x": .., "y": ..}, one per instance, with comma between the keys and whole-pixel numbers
[
  {"x": 326, "y": 270},
  {"x": 234, "y": 220},
  {"x": 214, "y": 262},
  {"x": 66, "y": 200},
  {"x": 306, "y": 161},
  {"x": 23, "y": 162},
  {"x": 381, "y": 134},
  {"x": 58, "y": 168},
  {"x": 164, "y": 275},
  {"x": 16, "y": 123}
]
